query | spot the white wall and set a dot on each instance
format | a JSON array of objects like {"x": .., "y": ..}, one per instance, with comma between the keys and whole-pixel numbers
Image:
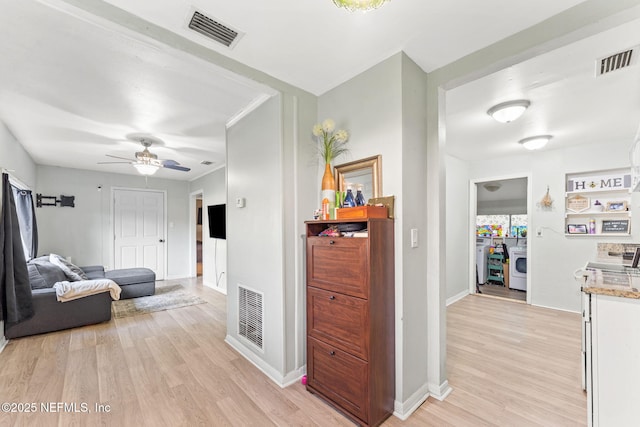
[
  {"x": 214, "y": 251},
  {"x": 553, "y": 257},
  {"x": 255, "y": 232},
  {"x": 384, "y": 111},
  {"x": 15, "y": 159},
  {"x": 457, "y": 227},
  {"x": 84, "y": 232}
]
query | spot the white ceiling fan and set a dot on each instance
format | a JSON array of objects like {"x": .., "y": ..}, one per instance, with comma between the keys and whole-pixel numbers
[{"x": 147, "y": 163}]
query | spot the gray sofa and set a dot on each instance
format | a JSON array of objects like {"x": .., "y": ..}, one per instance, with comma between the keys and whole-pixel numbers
[{"x": 51, "y": 315}]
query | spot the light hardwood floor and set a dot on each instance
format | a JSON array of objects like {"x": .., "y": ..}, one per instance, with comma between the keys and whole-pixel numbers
[{"x": 509, "y": 364}]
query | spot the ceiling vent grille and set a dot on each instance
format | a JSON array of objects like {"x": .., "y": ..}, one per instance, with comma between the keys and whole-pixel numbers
[
  {"x": 616, "y": 61},
  {"x": 213, "y": 29},
  {"x": 206, "y": 162},
  {"x": 250, "y": 315}
]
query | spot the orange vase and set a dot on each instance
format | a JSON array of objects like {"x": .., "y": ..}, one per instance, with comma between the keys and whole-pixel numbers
[
  {"x": 328, "y": 182},
  {"x": 328, "y": 187}
]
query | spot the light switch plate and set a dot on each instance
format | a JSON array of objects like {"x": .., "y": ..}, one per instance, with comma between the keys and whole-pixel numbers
[
  {"x": 414, "y": 237},
  {"x": 240, "y": 202}
]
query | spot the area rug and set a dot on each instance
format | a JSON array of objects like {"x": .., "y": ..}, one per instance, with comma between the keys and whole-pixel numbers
[{"x": 166, "y": 297}]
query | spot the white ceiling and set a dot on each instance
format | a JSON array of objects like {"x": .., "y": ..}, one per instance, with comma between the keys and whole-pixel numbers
[
  {"x": 567, "y": 100},
  {"x": 79, "y": 84}
]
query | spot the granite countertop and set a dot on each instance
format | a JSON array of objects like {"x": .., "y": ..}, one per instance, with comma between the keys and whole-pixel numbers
[{"x": 614, "y": 291}]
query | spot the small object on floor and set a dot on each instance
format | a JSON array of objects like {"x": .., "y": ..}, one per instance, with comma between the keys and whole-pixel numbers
[{"x": 303, "y": 380}]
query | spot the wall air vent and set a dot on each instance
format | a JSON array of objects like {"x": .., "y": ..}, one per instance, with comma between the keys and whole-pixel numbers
[
  {"x": 213, "y": 29},
  {"x": 616, "y": 61},
  {"x": 250, "y": 315}
]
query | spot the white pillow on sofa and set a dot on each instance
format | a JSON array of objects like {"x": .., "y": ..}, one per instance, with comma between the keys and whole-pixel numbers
[{"x": 73, "y": 272}]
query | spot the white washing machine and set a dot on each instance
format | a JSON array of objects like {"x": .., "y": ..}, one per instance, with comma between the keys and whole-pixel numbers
[
  {"x": 518, "y": 268},
  {"x": 482, "y": 253}
]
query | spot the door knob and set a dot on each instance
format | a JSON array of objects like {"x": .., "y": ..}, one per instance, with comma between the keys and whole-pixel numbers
[{"x": 161, "y": 240}]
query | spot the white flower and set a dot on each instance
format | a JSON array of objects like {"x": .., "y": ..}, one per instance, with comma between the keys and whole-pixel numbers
[
  {"x": 341, "y": 136},
  {"x": 317, "y": 130},
  {"x": 328, "y": 125}
]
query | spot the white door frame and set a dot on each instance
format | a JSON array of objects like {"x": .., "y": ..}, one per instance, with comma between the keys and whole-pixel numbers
[
  {"x": 192, "y": 231},
  {"x": 473, "y": 212},
  {"x": 164, "y": 224}
]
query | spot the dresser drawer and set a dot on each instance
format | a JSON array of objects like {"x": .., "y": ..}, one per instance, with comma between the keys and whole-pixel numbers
[
  {"x": 338, "y": 376},
  {"x": 339, "y": 320},
  {"x": 338, "y": 264}
]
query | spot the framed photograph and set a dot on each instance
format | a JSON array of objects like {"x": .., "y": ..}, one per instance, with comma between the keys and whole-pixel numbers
[
  {"x": 577, "y": 228},
  {"x": 615, "y": 226},
  {"x": 616, "y": 206}
]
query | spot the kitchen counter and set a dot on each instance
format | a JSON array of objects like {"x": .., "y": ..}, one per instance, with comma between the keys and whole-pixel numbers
[{"x": 613, "y": 290}]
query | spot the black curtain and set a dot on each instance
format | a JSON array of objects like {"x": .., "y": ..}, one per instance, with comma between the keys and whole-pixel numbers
[
  {"x": 15, "y": 291},
  {"x": 27, "y": 221}
]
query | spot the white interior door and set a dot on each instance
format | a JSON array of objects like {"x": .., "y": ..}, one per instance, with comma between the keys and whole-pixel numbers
[{"x": 139, "y": 230}]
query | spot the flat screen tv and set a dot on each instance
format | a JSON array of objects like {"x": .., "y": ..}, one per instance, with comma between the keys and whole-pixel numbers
[{"x": 217, "y": 221}]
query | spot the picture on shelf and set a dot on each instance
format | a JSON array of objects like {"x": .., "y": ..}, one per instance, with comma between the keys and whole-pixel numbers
[
  {"x": 616, "y": 206},
  {"x": 577, "y": 228}
]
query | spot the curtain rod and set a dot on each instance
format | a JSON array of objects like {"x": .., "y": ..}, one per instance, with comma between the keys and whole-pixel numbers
[{"x": 15, "y": 180}]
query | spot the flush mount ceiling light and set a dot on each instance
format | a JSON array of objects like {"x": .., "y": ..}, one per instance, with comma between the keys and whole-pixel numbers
[
  {"x": 535, "y": 142},
  {"x": 145, "y": 168},
  {"x": 508, "y": 111},
  {"x": 492, "y": 186},
  {"x": 354, "y": 5}
]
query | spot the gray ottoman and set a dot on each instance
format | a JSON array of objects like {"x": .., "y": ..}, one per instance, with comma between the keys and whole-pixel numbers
[{"x": 135, "y": 282}]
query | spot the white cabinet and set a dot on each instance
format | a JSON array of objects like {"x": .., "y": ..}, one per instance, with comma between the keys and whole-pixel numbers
[
  {"x": 598, "y": 203},
  {"x": 612, "y": 350}
]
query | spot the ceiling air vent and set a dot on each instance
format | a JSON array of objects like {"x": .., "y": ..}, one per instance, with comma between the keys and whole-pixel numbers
[
  {"x": 206, "y": 162},
  {"x": 213, "y": 29},
  {"x": 616, "y": 61},
  {"x": 250, "y": 315}
]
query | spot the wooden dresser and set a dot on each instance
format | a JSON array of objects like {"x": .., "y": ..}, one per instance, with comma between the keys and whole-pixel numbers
[{"x": 350, "y": 319}]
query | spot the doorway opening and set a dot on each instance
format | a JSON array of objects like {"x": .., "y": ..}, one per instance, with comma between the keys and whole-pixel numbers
[{"x": 500, "y": 230}]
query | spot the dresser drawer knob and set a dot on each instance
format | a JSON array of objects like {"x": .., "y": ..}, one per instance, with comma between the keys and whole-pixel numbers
[
  {"x": 332, "y": 297},
  {"x": 331, "y": 242},
  {"x": 332, "y": 353}
]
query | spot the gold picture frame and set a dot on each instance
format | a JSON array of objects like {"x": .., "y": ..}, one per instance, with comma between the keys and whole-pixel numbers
[
  {"x": 616, "y": 206},
  {"x": 367, "y": 172}
]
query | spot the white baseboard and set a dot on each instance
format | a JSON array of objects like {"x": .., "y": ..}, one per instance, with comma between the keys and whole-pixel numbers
[
  {"x": 457, "y": 297},
  {"x": 282, "y": 380},
  {"x": 214, "y": 287},
  {"x": 441, "y": 391},
  {"x": 555, "y": 308},
  {"x": 403, "y": 410}
]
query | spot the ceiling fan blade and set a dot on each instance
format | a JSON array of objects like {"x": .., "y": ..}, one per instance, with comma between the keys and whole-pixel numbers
[
  {"x": 118, "y": 157},
  {"x": 176, "y": 167}
]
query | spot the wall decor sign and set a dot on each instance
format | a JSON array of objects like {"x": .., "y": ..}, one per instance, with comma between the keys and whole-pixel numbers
[
  {"x": 615, "y": 226},
  {"x": 578, "y": 203},
  {"x": 598, "y": 182}
]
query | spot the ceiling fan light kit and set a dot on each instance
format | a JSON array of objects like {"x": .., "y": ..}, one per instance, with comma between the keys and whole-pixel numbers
[
  {"x": 146, "y": 168},
  {"x": 535, "y": 142},
  {"x": 353, "y": 5},
  {"x": 508, "y": 111},
  {"x": 146, "y": 162}
]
